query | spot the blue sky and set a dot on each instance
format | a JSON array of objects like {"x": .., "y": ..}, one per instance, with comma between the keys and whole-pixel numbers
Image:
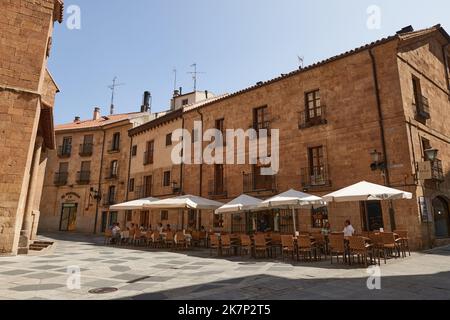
[{"x": 235, "y": 42}]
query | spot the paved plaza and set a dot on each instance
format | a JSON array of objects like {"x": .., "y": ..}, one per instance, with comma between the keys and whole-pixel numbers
[{"x": 155, "y": 275}]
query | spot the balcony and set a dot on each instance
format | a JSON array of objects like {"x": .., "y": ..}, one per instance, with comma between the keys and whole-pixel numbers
[
  {"x": 313, "y": 117},
  {"x": 258, "y": 183},
  {"x": 83, "y": 177},
  {"x": 109, "y": 199},
  {"x": 148, "y": 158},
  {"x": 422, "y": 109},
  {"x": 112, "y": 174},
  {"x": 64, "y": 151},
  {"x": 437, "y": 171},
  {"x": 61, "y": 178},
  {"x": 315, "y": 177},
  {"x": 217, "y": 190},
  {"x": 113, "y": 147},
  {"x": 86, "y": 149}
]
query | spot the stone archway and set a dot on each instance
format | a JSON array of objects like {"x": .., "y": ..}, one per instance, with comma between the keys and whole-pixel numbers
[{"x": 441, "y": 217}]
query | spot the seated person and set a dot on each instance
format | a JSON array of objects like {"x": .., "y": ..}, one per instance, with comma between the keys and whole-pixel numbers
[{"x": 115, "y": 233}]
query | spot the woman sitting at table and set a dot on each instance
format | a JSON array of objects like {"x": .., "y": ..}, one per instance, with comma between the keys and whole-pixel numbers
[
  {"x": 326, "y": 229},
  {"x": 348, "y": 230}
]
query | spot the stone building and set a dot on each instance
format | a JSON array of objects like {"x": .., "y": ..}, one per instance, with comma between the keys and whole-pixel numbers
[
  {"x": 377, "y": 113},
  {"x": 27, "y": 93},
  {"x": 374, "y": 113},
  {"x": 88, "y": 172}
]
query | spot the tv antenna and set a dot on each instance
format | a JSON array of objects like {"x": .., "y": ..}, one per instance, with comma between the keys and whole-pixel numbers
[
  {"x": 301, "y": 60},
  {"x": 113, "y": 91},
  {"x": 195, "y": 74},
  {"x": 175, "y": 79}
]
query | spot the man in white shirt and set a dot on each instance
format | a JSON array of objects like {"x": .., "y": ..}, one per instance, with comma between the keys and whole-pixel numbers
[{"x": 348, "y": 230}]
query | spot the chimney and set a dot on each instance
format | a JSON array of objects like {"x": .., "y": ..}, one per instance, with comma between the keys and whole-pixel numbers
[
  {"x": 405, "y": 30},
  {"x": 206, "y": 94},
  {"x": 181, "y": 91},
  {"x": 96, "y": 113},
  {"x": 176, "y": 93},
  {"x": 76, "y": 120},
  {"x": 146, "y": 102}
]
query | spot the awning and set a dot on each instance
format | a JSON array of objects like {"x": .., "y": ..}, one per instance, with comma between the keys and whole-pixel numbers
[
  {"x": 185, "y": 202},
  {"x": 240, "y": 204},
  {"x": 293, "y": 199},
  {"x": 133, "y": 205},
  {"x": 365, "y": 191}
]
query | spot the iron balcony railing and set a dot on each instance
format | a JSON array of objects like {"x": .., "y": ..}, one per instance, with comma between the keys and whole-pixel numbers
[
  {"x": 64, "y": 151},
  {"x": 113, "y": 147},
  {"x": 112, "y": 173},
  {"x": 83, "y": 177},
  {"x": 217, "y": 189},
  {"x": 109, "y": 199},
  {"x": 255, "y": 182},
  {"x": 437, "y": 171},
  {"x": 61, "y": 178},
  {"x": 86, "y": 149},
  {"x": 423, "y": 108},
  {"x": 316, "y": 176},
  {"x": 313, "y": 117},
  {"x": 264, "y": 125}
]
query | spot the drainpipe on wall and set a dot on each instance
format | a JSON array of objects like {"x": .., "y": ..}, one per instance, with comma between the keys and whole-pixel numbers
[
  {"x": 445, "y": 49},
  {"x": 383, "y": 138},
  {"x": 182, "y": 162},
  {"x": 129, "y": 169},
  {"x": 201, "y": 163},
  {"x": 99, "y": 182}
]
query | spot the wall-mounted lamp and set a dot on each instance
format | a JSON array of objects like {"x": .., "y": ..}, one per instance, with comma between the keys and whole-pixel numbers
[
  {"x": 431, "y": 154},
  {"x": 377, "y": 162}
]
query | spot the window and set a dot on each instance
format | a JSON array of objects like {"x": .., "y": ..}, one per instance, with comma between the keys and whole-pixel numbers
[
  {"x": 220, "y": 125},
  {"x": 319, "y": 217},
  {"x": 218, "y": 179},
  {"x": 169, "y": 139},
  {"x": 420, "y": 101},
  {"x": 131, "y": 185},
  {"x": 116, "y": 142},
  {"x": 166, "y": 179},
  {"x": 149, "y": 154},
  {"x": 313, "y": 105},
  {"x": 134, "y": 151},
  {"x": 85, "y": 166},
  {"x": 164, "y": 215},
  {"x": 112, "y": 194},
  {"x": 85, "y": 173},
  {"x": 86, "y": 147},
  {"x": 195, "y": 135},
  {"x": 148, "y": 183},
  {"x": 88, "y": 139},
  {"x": 261, "y": 118},
  {"x": 185, "y": 102},
  {"x": 426, "y": 145},
  {"x": 316, "y": 166},
  {"x": 66, "y": 148},
  {"x": 114, "y": 170}
]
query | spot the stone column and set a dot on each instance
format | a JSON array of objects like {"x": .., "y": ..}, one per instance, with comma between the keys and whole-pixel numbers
[{"x": 27, "y": 223}]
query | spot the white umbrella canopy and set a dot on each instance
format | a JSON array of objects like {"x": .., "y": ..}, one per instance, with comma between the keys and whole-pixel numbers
[
  {"x": 185, "y": 202},
  {"x": 293, "y": 199},
  {"x": 365, "y": 191},
  {"x": 133, "y": 205},
  {"x": 240, "y": 204}
]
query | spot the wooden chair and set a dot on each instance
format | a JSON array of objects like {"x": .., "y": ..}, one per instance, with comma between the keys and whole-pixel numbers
[
  {"x": 287, "y": 246},
  {"x": 377, "y": 245},
  {"x": 390, "y": 245},
  {"x": 225, "y": 244},
  {"x": 195, "y": 241},
  {"x": 306, "y": 247},
  {"x": 245, "y": 244},
  {"x": 261, "y": 244},
  {"x": 321, "y": 243},
  {"x": 336, "y": 246},
  {"x": 137, "y": 237},
  {"x": 169, "y": 240},
  {"x": 276, "y": 242},
  {"x": 214, "y": 243},
  {"x": 108, "y": 236},
  {"x": 156, "y": 240},
  {"x": 180, "y": 242},
  {"x": 403, "y": 238},
  {"x": 359, "y": 247},
  {"x": 148, "y": 238}
]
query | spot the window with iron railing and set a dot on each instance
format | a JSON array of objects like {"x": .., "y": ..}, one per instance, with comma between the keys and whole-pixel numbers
[
  {"x": 115, "y": 143},
  {"x": 315, "y": 112},
  {"x": 255, "y": 181},
  {"x": 421, "y": 102},
  {"x": 149, "y": 153},
  {"x": 437, "y": 171},
  {"x": 60, "y": 178},
  {"x": 86, "y": 148},
  {"x": 113, "y": 170},
  {"x": 110, "y": 198},
  {"x": 217, "y": 186},
  {"x": 261, "y": 120},
  {"x": 316, "y": 174},
  {"x": 65, "y": 150}
]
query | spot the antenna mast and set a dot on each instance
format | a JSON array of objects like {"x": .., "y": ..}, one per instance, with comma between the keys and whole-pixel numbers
[
  {"x": 195, "y": 75},
  {"x": 175, "y": 79},
  {"x": 113, "y": 91}
]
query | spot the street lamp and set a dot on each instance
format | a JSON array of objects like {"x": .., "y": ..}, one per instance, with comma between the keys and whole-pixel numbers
[
  {"x": 431, "y": 154},
  {"x": 96, "y": 195},
  {"x": 377, "y": 163}
]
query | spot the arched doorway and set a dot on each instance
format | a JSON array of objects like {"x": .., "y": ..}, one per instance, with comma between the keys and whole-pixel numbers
[{"x": 441, "y": 218}]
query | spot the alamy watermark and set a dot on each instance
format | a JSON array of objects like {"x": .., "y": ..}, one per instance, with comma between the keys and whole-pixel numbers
[
  {"x": 374, "y": 19},
  {"x": 73, "y": 18},
  {"x": 231, "y": 152},
  {"x": 374, "y": 280},
  {"x": 74, "y": 280}
]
